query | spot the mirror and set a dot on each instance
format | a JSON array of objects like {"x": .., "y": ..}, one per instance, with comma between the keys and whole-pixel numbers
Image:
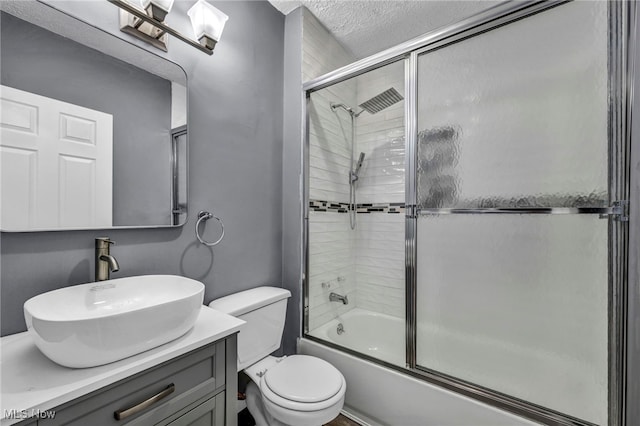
[{"x": 93, "y": 128}]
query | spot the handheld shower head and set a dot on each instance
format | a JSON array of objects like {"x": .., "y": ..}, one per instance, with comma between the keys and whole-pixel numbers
[
  {"x": 359, "y": 164},
  {"x": 343, "y": 106},
  {"x": 354, "y": 174}
]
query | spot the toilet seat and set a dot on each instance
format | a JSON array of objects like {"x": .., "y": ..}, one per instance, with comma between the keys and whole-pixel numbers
[
  {"x": 303, "y": 383},
  {"x": 303, "y": 378}
]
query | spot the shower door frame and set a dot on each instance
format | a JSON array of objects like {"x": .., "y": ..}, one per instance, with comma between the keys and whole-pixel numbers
[{"x": 622, "y": 30}]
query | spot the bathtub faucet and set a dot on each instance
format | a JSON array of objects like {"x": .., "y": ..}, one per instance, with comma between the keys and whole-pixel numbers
[{"x": 335, "y": 297}]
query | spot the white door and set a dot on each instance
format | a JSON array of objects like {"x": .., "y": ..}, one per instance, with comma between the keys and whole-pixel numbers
[{"x": 56, "y": 163}]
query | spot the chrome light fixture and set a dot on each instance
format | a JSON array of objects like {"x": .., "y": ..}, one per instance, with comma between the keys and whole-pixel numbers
[{"x": 144, "y": 19}]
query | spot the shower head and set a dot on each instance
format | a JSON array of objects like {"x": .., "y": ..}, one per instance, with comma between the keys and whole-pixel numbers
[
  {"x": 359, "y": 165},
  {"x": 343, "y": 106},
  {"x": 354, "y": 174},
  {"x": 382, "y": 101}
]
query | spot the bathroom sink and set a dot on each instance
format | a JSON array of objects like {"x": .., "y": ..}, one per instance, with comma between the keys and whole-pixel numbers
[{"x": 98, "y": 323}]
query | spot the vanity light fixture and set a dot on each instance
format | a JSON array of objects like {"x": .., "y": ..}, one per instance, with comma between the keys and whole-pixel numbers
[{"x": 144, "y": 19}]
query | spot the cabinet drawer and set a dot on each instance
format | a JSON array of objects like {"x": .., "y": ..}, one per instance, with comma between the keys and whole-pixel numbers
[
  {"x": 207, "y": 413},
  {"x": 192, "y": 376}
]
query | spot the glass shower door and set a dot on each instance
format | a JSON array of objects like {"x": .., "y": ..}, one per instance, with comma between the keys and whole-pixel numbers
[
  {"x": 512, "y": 279},
  {"x": 355, "y": 225}
]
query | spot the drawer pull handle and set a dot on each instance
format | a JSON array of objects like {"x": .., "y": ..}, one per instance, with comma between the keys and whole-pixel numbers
[{"x": 123, "y": 414}]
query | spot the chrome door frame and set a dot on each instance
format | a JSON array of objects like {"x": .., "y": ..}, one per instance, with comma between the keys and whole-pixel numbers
[{"x": 622, "y": 26}]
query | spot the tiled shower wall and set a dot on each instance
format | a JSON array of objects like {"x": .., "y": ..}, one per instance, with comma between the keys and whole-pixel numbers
[
  {"x": 331, "y": 246},
  {"x": 379, "y": 249},
  {"x": 366, "y": 264},
  {"x": 331, "y": 250},
  {"x": 381, "y": 137},
  {"x": 379, "y": 245}
]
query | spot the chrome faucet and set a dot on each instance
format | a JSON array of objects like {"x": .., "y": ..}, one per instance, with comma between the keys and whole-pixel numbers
[
  {"x": 105, "y": 263},
  {"x": 335, "y": 297}
]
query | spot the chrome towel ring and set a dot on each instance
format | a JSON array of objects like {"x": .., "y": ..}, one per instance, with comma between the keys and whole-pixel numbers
[{"x": 204, "y": 216}]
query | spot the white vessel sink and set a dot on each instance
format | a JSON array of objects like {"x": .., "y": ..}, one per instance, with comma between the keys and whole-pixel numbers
[{"x": 98, "y": 323}]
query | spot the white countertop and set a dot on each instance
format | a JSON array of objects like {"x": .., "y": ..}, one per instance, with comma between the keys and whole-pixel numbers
[{"x": 30, "y": 381}]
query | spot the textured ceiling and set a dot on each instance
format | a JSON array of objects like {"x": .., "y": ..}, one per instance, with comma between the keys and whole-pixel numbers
[{"x": 368, "y": 26}]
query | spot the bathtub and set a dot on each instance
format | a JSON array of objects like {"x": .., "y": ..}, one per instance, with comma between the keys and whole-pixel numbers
[
  {"x": 377, "y": 395},
  {"x": 378, "y": 335}
]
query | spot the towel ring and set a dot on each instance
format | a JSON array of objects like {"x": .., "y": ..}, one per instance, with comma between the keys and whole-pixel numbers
[{"x": 203, "y": 216}]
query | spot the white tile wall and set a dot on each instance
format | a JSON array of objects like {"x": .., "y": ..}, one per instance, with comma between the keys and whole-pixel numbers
[
  {"x": 321, "y": 52},
  {"x": 330, "y": 239},
  {"x": 329, "y": 131},
  {"x": 329, "y": 145},
  {"x": 381, "y": 137},
  {"x": 379, "y": 258},
  {"x": 370, "y": 260},
  {"x": 331, "y": 261},
  {"x": 379, "y": 246}
]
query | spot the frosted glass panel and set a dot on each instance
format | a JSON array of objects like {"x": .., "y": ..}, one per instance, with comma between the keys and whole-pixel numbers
[
  {"x": 517, "y": 304},
  {"x": 517, "y": 117}
]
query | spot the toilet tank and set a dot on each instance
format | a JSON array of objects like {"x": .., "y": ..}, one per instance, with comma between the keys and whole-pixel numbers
[{"x": 264, "y": 309}]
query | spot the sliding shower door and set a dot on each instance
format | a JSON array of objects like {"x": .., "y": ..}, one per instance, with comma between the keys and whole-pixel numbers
[
  {"x": 494, "y": 177},
  {"x": 512, "y": 166}
]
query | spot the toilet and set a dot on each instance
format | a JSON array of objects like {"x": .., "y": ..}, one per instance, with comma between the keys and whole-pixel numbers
[{"x": 295, "y": 390}]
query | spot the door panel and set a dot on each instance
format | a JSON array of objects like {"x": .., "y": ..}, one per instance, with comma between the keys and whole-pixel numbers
[
  {"x": 517, "y": 304},
  {"x": 517, "y": 116},
  {"x": 511, "y": 301},
  {"x": 65, "y": 163}
]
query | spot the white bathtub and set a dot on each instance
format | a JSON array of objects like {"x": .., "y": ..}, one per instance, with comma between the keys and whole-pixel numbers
[
  {"x": 382, "y": 337},
  {"x": 381, "y": 396},
  {"x": 378, "y": 335}
]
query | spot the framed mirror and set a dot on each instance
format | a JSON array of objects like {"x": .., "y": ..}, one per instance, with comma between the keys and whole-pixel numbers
[{"x": 93, "y": 129}]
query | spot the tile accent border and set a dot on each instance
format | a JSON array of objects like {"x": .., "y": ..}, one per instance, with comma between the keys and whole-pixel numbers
[{"x": 328, "y": 206}]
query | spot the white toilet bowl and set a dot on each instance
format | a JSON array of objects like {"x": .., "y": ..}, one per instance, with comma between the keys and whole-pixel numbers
[{"x": 299, "y": 390}]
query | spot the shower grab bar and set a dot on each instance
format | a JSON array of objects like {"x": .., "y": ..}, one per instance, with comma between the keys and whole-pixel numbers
[
  {"x": 204, "y": 216},
  {"x": 619, "y": 209}
]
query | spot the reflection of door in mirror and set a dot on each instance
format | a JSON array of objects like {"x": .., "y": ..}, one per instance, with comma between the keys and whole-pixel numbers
[{"x": 56, "y": 160}]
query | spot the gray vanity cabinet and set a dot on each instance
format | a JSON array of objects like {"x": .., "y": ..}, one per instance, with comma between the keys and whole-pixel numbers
[{"x": 198, "y": 388}]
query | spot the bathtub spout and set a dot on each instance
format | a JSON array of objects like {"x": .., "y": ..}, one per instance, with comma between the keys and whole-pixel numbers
[{"x": 335, "y": 297}]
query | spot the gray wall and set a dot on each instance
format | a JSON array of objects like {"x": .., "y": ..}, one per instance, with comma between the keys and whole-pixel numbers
[
  {"x": 38, "y": 61},
  {"x": 291, "y": 177},
  {"x": 235, "y": 137}
]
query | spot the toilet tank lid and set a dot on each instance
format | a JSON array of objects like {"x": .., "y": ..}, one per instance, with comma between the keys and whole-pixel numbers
[{"x": 246, "y": 301}]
